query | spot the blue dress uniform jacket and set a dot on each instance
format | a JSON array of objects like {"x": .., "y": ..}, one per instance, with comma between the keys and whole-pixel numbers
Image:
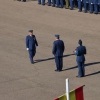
[
  {"x": 80, "y": 52},
  {"x": 31, "y": 43},
  {"x": 58, "y": 49}
]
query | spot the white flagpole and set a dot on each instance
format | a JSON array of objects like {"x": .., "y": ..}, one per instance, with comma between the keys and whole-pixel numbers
[{"x": 67, "y": 89}]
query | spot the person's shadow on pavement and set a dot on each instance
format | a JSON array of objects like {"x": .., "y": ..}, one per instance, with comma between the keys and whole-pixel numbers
[
  {"x": 88, "y": 64},
  {"x": 42, "y": 60}
]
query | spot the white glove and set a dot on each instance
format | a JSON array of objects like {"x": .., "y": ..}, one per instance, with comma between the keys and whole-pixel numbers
[{"x": 27, "y": 49}]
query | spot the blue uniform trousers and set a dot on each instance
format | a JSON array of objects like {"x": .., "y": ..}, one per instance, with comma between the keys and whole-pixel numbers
[
  {"x": 31, "y": 55},
  {"x": 43, "y": 2},
  {"x": 80, "y": 5},
  {"x": 75, "y": 3},
  {"x": 61, "y": 3},
  {"x": 91, "y": 8},
  {"x": 57, "y": 3},
  {"x": 99, "y": 8},
  {"x": 86, "y": 7},
  {"x": 39, "y": 1},
  {"x": 53, "y": 3},
  {"x": 49, "y": 2},
  {"x": 71, "y": 4},
  {"x": 96, "y": 8},
  {"x": 59, "y": 62},
  {"x": 81, "y": 70}
]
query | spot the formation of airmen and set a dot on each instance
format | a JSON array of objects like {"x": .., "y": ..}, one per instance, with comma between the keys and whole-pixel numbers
[
  {"x": 93, "y": 6},
  {"x": 89, "y": 5}
]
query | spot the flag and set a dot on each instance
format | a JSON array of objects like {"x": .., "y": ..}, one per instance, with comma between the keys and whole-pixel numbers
[{"x": 76, "y": 94}]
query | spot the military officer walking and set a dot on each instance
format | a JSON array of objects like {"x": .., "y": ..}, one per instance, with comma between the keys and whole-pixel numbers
[
  {"x": 31, "y": 44},
  {"x": 80, "y": 52},
  {"x": 58, "y": 50}
]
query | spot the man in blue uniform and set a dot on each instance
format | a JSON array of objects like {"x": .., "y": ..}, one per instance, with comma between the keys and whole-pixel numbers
[
  {"x": 71, "y": 4},
  {"x": 49, "y": 2},
  {"x": 53, "y": 3},
  {"x": 58, "y": 50},
  {"x": 31, "y": 44},
  {"x": 80, "y": 5},
  {"x": 95, "y": 6},
  {"x": 43, "y": 2},
  {"x": 39, "y": 2},
  {"x": 86, "y": 4},
  {"x": 98, "y": 5},
  {"x": 59, "y": 3},
  {"x": 91, "y": 3},
  {"x": 80, "y": 52}
]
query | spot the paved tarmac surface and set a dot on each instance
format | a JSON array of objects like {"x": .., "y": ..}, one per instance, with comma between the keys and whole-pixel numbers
[{"x": 19, "y": 80}]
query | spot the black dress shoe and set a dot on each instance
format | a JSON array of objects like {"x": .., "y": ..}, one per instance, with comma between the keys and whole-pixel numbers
[
  {"x": 96, "y": 13},
  {"x": 39, "y": 3},
  {"x": 79, "y": 11},
  {"x": 78, "y": 76},
  {"x": 71, "y": 9},
  {"x": 56, "y": 70},
  {"x": 91, "y": 12},
  {"x": 32, "y": 62},
  {"x": 53, "y": 5},
  {"x": 85, "y": 12}
]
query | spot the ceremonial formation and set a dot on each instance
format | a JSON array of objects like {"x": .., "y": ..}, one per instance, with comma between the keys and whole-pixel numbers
[{"x": 93, "y": 6}]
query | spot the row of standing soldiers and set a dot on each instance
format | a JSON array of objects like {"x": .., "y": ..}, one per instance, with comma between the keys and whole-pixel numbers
[{"x": 89, "y": 5}]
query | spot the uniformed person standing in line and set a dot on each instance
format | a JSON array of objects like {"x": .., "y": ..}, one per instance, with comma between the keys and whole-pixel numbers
[
  {"x": 31, "y": 44},
  {"x": 58, "y": 50},
  {"x": 75, "y": 3},
  {"x": 80, "y": 52},
  {"x": 80, "y": 5},
  {"x": 91, "y": 6},
  {"x": 49, "y": 2},
  {"x": 43, "y": 2},
  {"x": 61, "y": 3},
  {"x": 98, "y": 5},
  {"x": 57, "y": 3},
  {"x": 39, "y": 2},
  {"x": 71, "y": 4},
  {"x": 67, "y": 4},
  {"x": 86, "y": 4},
  {"x": 95, "y": 6},
  {"x": 53, "y": 3}
]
